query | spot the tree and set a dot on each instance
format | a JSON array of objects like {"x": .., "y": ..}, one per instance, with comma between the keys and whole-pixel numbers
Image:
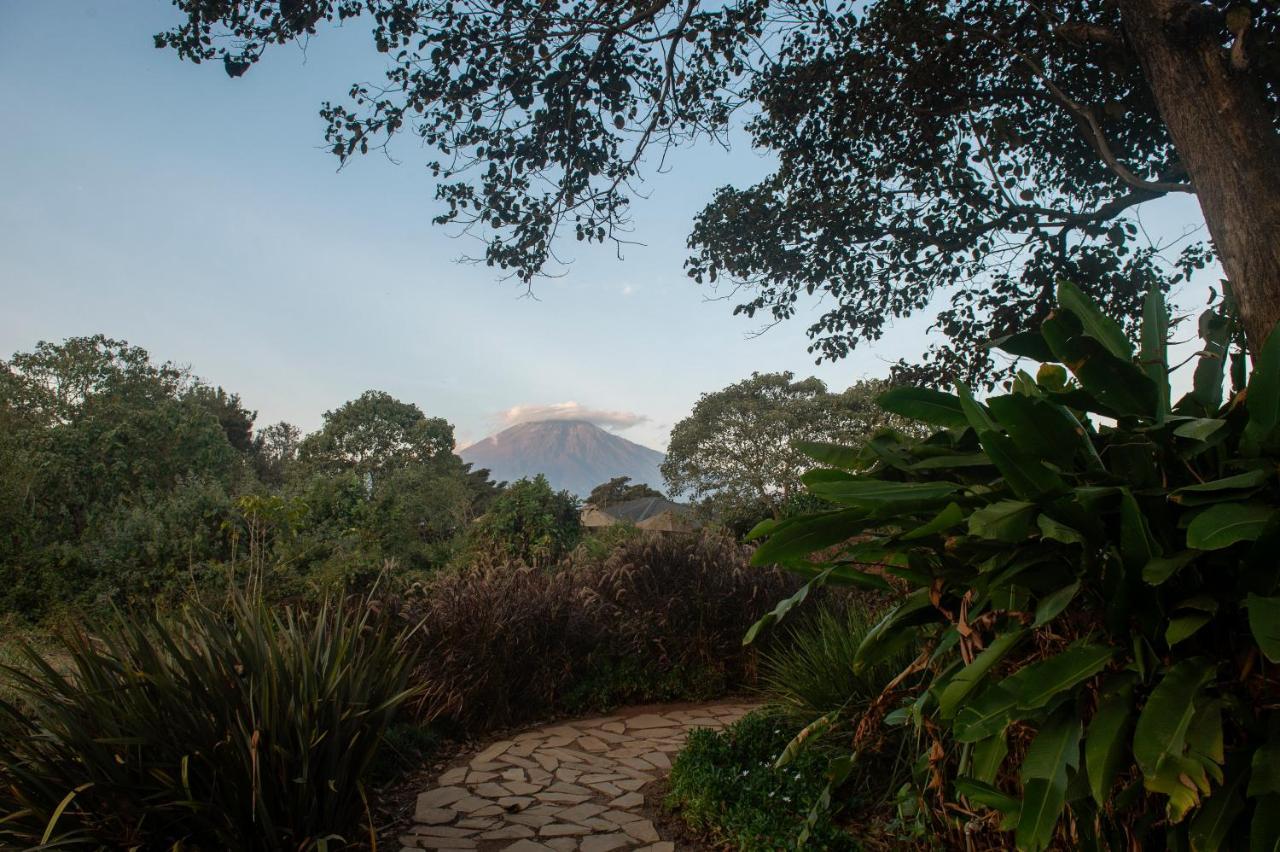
[
  {"x": 531, "y": 522},
  {"x": 376, "y": 433},
  {"x": 738, "y": 445},
  {"x": 619, "y": 490},
  {"x": 963, "y": 154}
]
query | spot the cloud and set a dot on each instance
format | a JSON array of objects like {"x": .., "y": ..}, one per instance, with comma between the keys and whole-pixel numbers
[
  {"x": 571, "y": 411},
  {"x": 628, "y": 290}
]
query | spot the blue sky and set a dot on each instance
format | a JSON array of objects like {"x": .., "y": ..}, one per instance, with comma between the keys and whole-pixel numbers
[{"x": 197, "y": 216}]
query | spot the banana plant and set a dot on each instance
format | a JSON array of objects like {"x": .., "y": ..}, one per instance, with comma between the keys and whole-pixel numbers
[{"x": 1091, "y": 571}]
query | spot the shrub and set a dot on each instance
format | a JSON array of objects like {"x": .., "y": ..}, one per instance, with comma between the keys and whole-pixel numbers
[
  {"x": 530, "y": 522},
  {"x": 503, "y": 644},
  {"x": 810, "y": 671},
  {"x": 246, "y": 729},
  {"x": 724, "y": 785},
  {"x": 1094, "y": 606}
]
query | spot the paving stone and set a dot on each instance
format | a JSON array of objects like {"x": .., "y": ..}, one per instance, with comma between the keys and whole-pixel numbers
[
  {"x": 642, "y": 830},
  {"x": 578, "y": 813},
  {"x": 452, "y": 776},
  {"x": 547, "y": 760},
  {"x": 490, "y": 790},
  {"x": 441, "y": 831},
  {"x": 658, "y": 759},
  {"x": 441, "y": 797},
  {"x": 477, "y": 777},
  {"x": 521, "y": 788},
  {"x": 478, "y": 823},
  {"x": 562, "y": 798},
  {"x": 434, "y": 816},
  {"x": 664, "y": 846},
  {"x": 646, "y": 721},
  {"x": 516, "y": 803},
  {"x": 604, "y": 842},
  {"x": 607, "y": 788},
  {"x": 563, "y": 829},
  {"x": 508, "y": 832},
  {"x": 592, "y": 744},
  {"x": 563, "y": 844},
  {"x": 631, "y": 784},
  {"x": 614, "y": 727},
  {"x": 630, "y": 800},
  {"x": 493, "y": 751},
  {"x": 620, "y": 817},
  {"x": 526, "y": 846},
  {"x": 471, "y": 804}
]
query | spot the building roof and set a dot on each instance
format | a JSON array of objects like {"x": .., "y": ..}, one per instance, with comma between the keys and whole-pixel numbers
[{"x": 634, "y": 512}]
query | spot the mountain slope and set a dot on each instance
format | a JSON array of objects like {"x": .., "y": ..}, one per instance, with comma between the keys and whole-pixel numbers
[{"x": 573, "y": 454}]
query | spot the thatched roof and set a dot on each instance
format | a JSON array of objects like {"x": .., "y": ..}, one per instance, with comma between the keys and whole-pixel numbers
[{"x": 650, "y": 513}]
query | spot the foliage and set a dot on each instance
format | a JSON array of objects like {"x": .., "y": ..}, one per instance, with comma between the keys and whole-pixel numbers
[
  {"x": 504, "y": 644},
  {"x": 810, "y": 672},
  {"x": 736, "y": 447},
  {"x": 374, "y": 434},
  {"x": 620, "y": 489},
  {"x": 530, "y": 522},
  {"x": 1093, "y": 603},
  {"x": 961, "y": 154},
  {"x": 245, "y": 729},
  {"x": 724, "y": 784}
]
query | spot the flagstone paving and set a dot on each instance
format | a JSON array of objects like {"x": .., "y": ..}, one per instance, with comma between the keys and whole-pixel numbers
[{"x": 568, "y": 787}]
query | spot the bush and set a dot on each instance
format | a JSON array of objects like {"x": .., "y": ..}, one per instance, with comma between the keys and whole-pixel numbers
[
  {"x": 724, "y": 785},
  {"x": 810, "y": 671},
  {"x": 1094, "y": 606},
  {"x": 246, "y": 729},
  {"x": 529, "y": 522},
  {"x": 504, "y": 644}
]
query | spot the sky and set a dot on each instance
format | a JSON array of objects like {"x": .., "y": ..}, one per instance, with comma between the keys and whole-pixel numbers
[{"x": 197, "y": 216}]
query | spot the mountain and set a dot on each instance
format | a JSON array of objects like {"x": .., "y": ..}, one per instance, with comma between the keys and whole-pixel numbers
[{"x": 574, "y": 455}]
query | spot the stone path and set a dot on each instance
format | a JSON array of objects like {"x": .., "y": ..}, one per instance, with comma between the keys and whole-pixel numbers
[{"x": 570, "y": 787}]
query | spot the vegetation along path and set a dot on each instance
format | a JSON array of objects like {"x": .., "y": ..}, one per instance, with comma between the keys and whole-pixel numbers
[{"x": 568, "y": 786}]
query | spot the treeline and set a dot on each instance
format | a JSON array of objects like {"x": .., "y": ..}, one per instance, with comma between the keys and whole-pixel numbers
[{"x": 126, "y": 480}]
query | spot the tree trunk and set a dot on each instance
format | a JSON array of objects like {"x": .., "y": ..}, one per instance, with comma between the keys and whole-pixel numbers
[{"x": 1223, "y": 129}]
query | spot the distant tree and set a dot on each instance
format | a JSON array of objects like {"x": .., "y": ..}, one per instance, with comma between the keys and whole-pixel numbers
[
  {"x": 376, "y": 433},
  {"x": 236, "y": 420},
  {"x": 737, "y": 447},
  {"x": 275, "y": 450},
  {"x": 931, "y": 155},
  {"x": 531, "y": 522},
  {"x": 619, "y": 490}
]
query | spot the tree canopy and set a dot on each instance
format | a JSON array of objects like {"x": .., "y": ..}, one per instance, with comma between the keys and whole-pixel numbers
[
  {"x": 738, "y": 445},
  {"x": 620, "y": 489},
  {"x": 950, "y": 157}
]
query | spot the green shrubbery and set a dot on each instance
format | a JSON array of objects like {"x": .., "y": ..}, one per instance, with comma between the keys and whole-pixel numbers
[
  {"x": 725, "y": 785},
  {"x": 245, "y": 728},
  {"x": 1091, "y": 583}
]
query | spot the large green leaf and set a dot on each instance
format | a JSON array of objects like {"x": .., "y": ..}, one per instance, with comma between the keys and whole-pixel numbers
[
  {"x": 1224, "y": 524},
  {"x": 944, "y": 520},
  {"x": 924, "y": 404},
  {"x": 983, "y": 793},
  {"x": 1199, "y": 428},
  {"x": 1115, "y": 382},
  {"x": 967, "y": 679},
  {"x": 1162, "y": 726},
  {"x": 1264, "y": 778},
  {"x": 985, "y": 716},
  {"x": 836, "y": 455},
  {"x": 1028, "y": 478},
  {"x": 1210, "y": 828},
  {"x": 1155, "y": 357},
  {"x": 1040, "y": 429},
  {"x": 878, "y": 494},
  {"x": 1054, "y": 751},
  {"x": 916, "y": 609},
  {"x": 1264, "y": 622},
  {"x": 1105, "y": 743},
  {"x": 1264, "y": 829},
  {"x": 783, "y": 607},
  {"x": 988, "y": 756},
  {"x": 1007, "y": 521},
  {"x": 803, "y": 535},
  {"x": 1161, "y": 568},
  {"x": 1024, "y": 344},
  {"x": 1037, "y": 684},
  {"x": 1096, "y": 324},
  {"x": 1264, "y": 396},
  {"x": 1215, "y": 332},
  {"x": 1220, "y": 489},
  {"x": 1054, "y": 603}
]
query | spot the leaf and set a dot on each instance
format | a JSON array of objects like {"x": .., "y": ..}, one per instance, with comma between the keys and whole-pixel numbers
[
  {"x": 1027, "y": 477},
  {"x": 1049, "y": 528},
  {"x": 1054, "y": 751},
  {"x": 967, "y": 679},
  {"x": 1264, "y": 623},
  {"x": 1241, "y": 481},
  {"x": 1054, "y": 603},
  {"x": 1264, "y": 779},
  {"x": 987, "y": 757},
  {"x": 1155, "y": 357},
  {"x": 1024, "y": 344},
  {"x": 1135, "y": 538},
  {"x": 1035, "y": 685},
  {"x": 1224, "y": 524},
  {"x": 762, "y": 529},
  {"x": 1161, "y": 568},
  {"x": 925, "y": 404},
  {"x": 916, "y": 609},
  {"x": 1183, "y": 627},
  {"x": 1106, "y": 741},
  {"x": 1162, "y": 726},
  {"x": 1264, "y": 830},
  {"x": 985, "y": 794},
  {"x": 1113, "y": 381},
  {"x": 783, "y": 607},
  {"x": 1209, "y": 830},
  {"x": 814, "y": 729},
  {"x": 944, "y": 520},
  {"x": 1263, "y": 399},
  {"x": 876, "y": 494},
  {"x": 1199, "y": 428},
  {"x": 986, "y": 716},
  {"x": 1096, "y": 324},
  {"x": 836, "y": 455},
  {"x": 1007, "y": 520},
  {"x": 811, "y": 478},
  {"x": 1215, "y": 331},
  {"x": 951, "y": 461},
  {"x": 803, "y": 535}
]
